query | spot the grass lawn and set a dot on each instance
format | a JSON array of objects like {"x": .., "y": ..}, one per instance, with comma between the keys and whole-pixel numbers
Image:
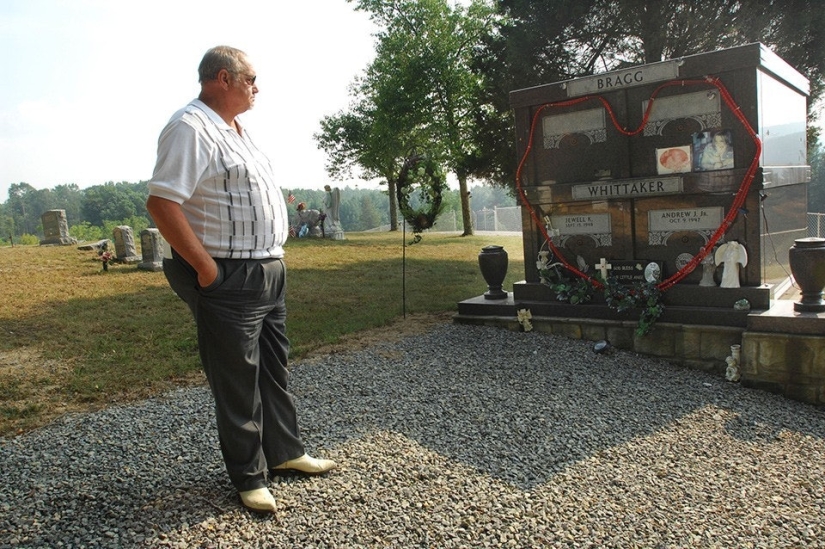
[{"x": 76, "y": 338}]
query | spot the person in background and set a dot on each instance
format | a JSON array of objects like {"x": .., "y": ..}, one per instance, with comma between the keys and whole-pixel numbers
[
  {"x": 310, "y": 222},
  {"x": 214, "y": 198}
]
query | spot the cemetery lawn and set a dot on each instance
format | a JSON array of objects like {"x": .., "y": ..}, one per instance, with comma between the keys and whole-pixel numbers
[{"x": 74, "y": 338}]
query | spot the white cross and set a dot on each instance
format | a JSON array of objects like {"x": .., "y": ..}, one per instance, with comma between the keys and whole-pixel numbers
[{"x": 603, "y": 266}]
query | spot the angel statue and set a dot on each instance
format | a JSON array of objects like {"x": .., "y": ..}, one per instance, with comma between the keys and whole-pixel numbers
[
  {"x": 332, "y": 223},
  {"x": 733, "y": 255}
]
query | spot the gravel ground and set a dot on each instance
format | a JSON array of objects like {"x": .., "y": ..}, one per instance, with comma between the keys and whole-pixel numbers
[{"x": 464, "y": 436}]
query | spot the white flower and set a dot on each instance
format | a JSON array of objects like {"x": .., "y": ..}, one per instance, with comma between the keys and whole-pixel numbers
[
  {"x": 524, "y": 317},
  {"x": 544, "y": 260}
]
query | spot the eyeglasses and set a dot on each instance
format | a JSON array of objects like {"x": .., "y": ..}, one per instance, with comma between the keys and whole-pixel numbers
[{"x": 249, "y": 78}]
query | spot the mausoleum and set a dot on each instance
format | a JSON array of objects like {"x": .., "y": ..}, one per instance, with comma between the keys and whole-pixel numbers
[{"x": 689, "y": 174}]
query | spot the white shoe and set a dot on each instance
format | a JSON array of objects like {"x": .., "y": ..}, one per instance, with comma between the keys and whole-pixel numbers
[
  {"x": 259, "y": 501},
  {"x": 306, "y": 465}
]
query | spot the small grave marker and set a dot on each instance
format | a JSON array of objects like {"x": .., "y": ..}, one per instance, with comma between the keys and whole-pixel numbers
[{"x": 151, "y": 243}]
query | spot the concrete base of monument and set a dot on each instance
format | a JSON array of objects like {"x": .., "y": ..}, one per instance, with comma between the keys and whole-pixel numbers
[
  {"x": 782, "y": 351},
  {"x": 683, "y": 305},
  {"x": 681, "y": 296}
]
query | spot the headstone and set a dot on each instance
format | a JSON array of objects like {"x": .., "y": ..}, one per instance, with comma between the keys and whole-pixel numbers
[
  {"x": 633, "y": 272},
  {"x": 125, "y": 249},
  {"x": 660, "y": 195},
  {"x": 152, "y": 244},
  {"x": 56, "y": 229},
  {"x": 94, "y": 246}
]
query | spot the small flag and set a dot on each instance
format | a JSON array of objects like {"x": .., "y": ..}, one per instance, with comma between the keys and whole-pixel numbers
[
  {"x": 290, "y": 199},
  {"x": 292, "y": 232}
]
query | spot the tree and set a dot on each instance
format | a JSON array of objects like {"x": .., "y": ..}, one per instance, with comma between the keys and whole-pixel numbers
[
  {"x": 362, "y": 138},
  {"x": 69, "y": 197},
  {"x": 6, "y": 223},
  {"x": 419, "y": 94},
  {"x": 26, "y": 204},
  {"x": 370, "y": 216},
  {"x": 384, "y": 124},
  {"x": 113, "y": 202}
]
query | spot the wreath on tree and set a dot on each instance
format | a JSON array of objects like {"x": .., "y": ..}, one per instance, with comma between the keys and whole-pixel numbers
[{"x": 420, "y": 177}]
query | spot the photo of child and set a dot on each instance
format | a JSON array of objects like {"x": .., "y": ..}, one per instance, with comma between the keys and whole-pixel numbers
[{"x": 713, "y": 150}]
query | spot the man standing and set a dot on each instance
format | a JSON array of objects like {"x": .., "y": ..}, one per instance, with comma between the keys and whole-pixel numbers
[{"x": 214, "y": 198}]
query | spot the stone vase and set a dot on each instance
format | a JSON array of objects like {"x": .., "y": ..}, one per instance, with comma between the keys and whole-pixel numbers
[
  {"x": 492, "y": 260},
  {"x": 807, "y": 259},
  {"x": 735, "y": 352},
  {"x": 733, "y": 371}
]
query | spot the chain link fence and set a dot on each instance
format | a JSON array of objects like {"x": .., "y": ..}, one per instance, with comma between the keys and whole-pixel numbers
[
  {"x": 816, "y": 225},
  {"x": 506, "y": 219},
  {"x": 509, "y": 219}
]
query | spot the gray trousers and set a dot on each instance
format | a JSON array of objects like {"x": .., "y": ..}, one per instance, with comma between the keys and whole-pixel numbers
[{"x": 241, "y": 323}]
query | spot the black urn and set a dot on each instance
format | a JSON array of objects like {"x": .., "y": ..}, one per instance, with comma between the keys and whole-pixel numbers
[
  {"x": 492, "y": 260},
  {"x": 807, "y": 259}
]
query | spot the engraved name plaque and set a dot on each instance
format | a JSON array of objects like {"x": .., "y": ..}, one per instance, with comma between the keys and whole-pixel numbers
[
  {"x": 682, "y": 220},
  {"x": 628, "y": 188},
  {"x": 600, "y": 83},
  {"x": 581, "y": 224},
  {"x": 663, "y": 223},
  {"x": 596, "y": 226}
]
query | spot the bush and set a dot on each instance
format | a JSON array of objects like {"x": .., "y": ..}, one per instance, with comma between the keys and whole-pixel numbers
[
  {"x": 86, "y": 232},
  {"x": 28, "y": 240}
]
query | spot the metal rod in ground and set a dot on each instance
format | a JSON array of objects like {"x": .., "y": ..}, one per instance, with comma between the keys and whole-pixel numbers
[{"x": 404, "y": 269}]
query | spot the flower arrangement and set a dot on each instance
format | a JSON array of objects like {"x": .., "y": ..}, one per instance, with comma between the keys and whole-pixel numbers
[
  {"x": 574, "y": 291},
  {"x": 105, "y": 256},
  {"x": 425, "y": 173},
  {"x": 645, "y": 296},
  {"x": 524, "y": 317}
]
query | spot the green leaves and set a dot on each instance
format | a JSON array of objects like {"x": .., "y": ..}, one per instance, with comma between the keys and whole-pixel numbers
[
  {"x": 426, "y": 173},
  {"x": 420, "y": 93},
  {"x": 644, "y": 296}
]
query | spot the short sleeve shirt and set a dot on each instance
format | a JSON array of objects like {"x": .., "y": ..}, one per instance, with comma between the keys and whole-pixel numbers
[{"x": 224, "y": 184}]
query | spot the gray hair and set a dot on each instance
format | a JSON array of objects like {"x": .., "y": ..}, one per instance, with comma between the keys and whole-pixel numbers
[{"x": 221, "y": 57}]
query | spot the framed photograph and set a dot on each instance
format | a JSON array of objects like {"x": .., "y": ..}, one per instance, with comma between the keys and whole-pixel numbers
[
  {"x": 713, "y": 150},
  {"x": 673, "y": 160}
]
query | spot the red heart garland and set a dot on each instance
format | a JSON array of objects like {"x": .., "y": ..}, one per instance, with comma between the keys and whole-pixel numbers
[{"x": 738, "y": 199}]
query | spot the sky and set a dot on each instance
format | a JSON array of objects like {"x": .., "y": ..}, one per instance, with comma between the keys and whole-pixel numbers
[{"x": 89, "y": 84}]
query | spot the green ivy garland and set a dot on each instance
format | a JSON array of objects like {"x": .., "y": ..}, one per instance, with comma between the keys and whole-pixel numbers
[
  {"x": 646, "y": 297},
  {"x": 425, "y": 174}
]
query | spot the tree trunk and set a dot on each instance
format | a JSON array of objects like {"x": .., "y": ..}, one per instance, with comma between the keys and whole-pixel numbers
[
  {"x": 466, "y": 213},
  {"x": 393, "y": 205}
]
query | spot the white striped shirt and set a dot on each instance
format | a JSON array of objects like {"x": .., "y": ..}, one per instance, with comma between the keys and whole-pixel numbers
[{"x": 224, "y": 184}]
